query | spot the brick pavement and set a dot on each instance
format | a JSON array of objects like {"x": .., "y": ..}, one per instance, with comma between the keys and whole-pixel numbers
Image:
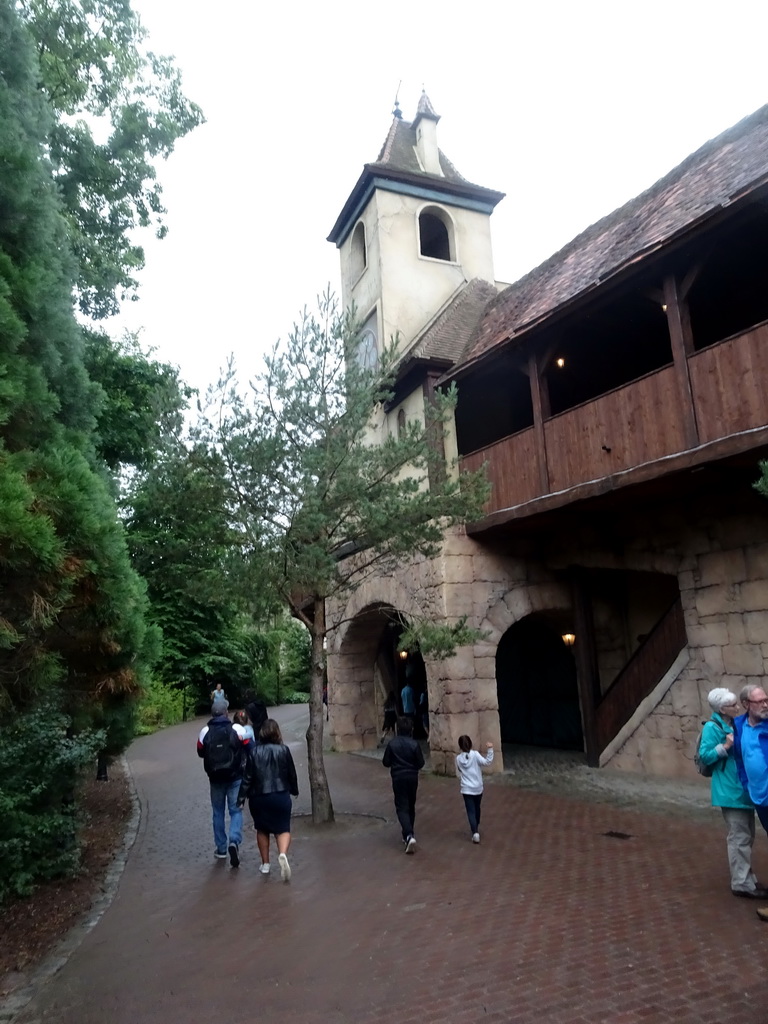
[{"x": 548, "y": 921}]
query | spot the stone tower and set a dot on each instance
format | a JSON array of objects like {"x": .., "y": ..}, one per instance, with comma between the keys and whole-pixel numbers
[{"x": 412, "y": 234}]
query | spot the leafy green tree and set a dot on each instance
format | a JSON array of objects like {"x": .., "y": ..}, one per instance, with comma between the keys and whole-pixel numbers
[
  {"x": 119, "y": 108},
  {"x": 142, "y": 404},
  {"x": 181, "y": 542},
  {"x": 319, "y": 507},
  {"x": 72, "y": 626}
]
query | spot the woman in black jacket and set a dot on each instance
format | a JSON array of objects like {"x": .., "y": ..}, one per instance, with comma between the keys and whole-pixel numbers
[{"x": 269, "y": 781}]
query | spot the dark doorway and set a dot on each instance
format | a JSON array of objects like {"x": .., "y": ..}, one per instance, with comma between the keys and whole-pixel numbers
[{"x": 537, "y": 689}]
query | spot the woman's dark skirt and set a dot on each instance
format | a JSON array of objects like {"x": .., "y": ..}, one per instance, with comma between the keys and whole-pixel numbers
[{"x": 271, "y": 812}]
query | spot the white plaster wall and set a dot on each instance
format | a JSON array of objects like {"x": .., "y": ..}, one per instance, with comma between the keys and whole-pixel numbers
[{"x": 413, "y": 287}]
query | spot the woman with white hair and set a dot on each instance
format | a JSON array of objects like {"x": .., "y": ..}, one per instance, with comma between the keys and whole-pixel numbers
[{"x": 728, "y": 793}]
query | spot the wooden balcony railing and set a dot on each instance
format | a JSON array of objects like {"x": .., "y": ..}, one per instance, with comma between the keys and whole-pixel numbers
[{"x": 636, "y": 425}]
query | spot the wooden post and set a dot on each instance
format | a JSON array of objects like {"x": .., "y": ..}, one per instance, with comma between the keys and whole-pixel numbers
[
  {"x": 540, "y": 402},
  {"x": 681, "y": 338},
  {"x": 585, "y": 652},
  {"x": 436, "y": 470}
]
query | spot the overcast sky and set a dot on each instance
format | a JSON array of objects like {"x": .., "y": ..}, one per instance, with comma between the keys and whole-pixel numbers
[{"x": 570, "y": 108}]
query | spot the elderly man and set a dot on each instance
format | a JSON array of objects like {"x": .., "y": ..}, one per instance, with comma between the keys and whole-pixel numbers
[{"x": 750, "y": 751}]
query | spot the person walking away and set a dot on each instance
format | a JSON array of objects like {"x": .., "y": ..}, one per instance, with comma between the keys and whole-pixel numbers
[
  {"x": 405, "y": 760},
  {"x": 390, "y": 717},
  {"x": 269, "y": 782},
  {"x": 221, "y": 749},
  {"x": 257, "y": 713},
  {"x": 716, "y": 749},
  {"x": 243, "y": 728},
  {"x": 408, "y": 700},
  {"x": 469, "y": 768}
]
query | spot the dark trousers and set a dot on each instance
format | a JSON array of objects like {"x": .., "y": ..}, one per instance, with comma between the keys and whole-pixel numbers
[
  {"x": 404, "y": 788},
  {"x": 762, "y": 813},
  {"x": 472, "y": 803}
]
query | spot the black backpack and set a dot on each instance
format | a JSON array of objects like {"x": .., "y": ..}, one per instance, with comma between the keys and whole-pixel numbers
[{"x": 223, "y": 752}]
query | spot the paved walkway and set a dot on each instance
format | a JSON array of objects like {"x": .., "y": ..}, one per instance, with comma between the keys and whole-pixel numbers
[{"x": 571, "y": 911}]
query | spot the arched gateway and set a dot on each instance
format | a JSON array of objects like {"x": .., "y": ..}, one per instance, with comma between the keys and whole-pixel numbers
[
  {"x": 537, "y": 686},
  {"x": 365, "y": 667}
]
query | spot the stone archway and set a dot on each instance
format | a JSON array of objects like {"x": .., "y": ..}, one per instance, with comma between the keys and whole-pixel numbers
[
  {"x": 363, "y": 668},
  {"x": 537, "y": 686}
]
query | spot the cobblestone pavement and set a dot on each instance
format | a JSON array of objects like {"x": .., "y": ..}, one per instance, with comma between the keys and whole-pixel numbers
[{"x": 572, "y": 910}]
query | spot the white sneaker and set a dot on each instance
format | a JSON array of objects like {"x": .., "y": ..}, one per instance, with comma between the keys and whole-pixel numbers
[
  {"x": 410, "y": 844},
  {"x": 264, "y": 869},
  {"x": 475, "y": 837},
  {"x": 285, "y": 867}
]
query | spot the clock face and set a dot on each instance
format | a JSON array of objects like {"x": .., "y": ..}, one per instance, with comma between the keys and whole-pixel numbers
[{"x": 367, "y": 353}]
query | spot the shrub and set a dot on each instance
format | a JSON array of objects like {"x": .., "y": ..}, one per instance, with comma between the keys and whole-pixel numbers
[
  {"x": 295, "y": 697},
  {"x": 160, "y": 706},
  {"x": 40, "y": 761}
]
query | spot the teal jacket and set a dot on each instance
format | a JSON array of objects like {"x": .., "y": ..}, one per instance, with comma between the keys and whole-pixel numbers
[{"x": 727, "y": 790}]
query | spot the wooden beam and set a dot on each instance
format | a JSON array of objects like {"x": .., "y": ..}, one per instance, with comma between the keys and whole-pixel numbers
[
  {"x": 585, "y": 652},
  {"x": 540, "y": 402},
  {"x": 436, "y": 470},
  {"x": 681, "y": 338}
]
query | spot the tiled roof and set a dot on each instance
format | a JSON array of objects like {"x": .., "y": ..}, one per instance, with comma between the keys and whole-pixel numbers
[
  {"x": 719, "y": 172},
  {"x": 444, "y": 339},
  {"x": 399, "y": 153}
]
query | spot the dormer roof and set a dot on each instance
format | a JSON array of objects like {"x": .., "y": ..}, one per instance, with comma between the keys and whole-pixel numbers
[{"x": 425, "y": 110}]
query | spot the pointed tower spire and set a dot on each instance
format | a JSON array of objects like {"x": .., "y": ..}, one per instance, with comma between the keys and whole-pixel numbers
[
  {"x": 425, "y": 125},
  {"x": 425, "y": 109}
]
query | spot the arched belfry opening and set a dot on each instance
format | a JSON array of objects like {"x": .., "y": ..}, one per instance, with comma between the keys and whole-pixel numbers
[
  {"x": 537, "y": 685},
  {"x": 436, "y": 236},
  {"x": 368, "y": 667}
]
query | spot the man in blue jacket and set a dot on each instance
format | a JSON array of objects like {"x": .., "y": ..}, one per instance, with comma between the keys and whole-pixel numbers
[
  {"x": 750, "y": 748},
  {"x": 750, "y": 752}
]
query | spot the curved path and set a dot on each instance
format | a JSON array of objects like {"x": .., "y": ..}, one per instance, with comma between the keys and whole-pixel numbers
[{"x": 548, "y": 921}]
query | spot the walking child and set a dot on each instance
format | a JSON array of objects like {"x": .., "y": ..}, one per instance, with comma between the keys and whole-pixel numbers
[{"x": 469, "y": 768}]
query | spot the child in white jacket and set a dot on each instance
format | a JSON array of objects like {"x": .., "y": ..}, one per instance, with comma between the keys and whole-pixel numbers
[{"x": 469, "y": 769}]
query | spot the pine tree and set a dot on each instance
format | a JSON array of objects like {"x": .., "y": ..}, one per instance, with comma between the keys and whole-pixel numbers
[{"x": 319, "y": 508}]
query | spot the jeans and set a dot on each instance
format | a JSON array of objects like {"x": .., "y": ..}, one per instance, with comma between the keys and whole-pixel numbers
[
  {"x": 225, "y": 794},
  {"x": 472, "y": 803},
  {"x": 404, "y": 790}
]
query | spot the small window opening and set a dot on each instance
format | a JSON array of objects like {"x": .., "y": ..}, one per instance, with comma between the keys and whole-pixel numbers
[
  {"x": 435, "y": 237},
  {"x": 358, "y": 255},
  {"x": 400, "y": 422}
]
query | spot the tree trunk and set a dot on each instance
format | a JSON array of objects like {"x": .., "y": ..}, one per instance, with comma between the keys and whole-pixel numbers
[
  {"x": 322, "y": 806},
  {"x": 102, "y": 766}
]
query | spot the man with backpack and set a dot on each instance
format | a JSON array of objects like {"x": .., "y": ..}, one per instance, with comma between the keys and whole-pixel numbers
[{"x": 221, "y": 747}]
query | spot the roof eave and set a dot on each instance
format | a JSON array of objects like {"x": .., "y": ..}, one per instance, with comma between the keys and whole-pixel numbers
[
  {"x": 557, "y": 312},
  {"x": 380, "y": 173}
]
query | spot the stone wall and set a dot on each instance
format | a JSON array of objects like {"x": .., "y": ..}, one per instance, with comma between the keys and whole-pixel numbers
[{"x": 719, "y": 560}]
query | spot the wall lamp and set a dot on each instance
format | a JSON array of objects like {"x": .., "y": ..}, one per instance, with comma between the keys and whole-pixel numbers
[{"x": 569, "y": 639}]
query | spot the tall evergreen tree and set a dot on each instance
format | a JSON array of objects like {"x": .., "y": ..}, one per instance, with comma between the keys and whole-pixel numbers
[
  {"x": 320, "y": 508},
  {"x": 71, "y": 607}
]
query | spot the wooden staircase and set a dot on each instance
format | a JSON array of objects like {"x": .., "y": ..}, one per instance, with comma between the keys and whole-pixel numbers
[{"x": 647, "y": 666}]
